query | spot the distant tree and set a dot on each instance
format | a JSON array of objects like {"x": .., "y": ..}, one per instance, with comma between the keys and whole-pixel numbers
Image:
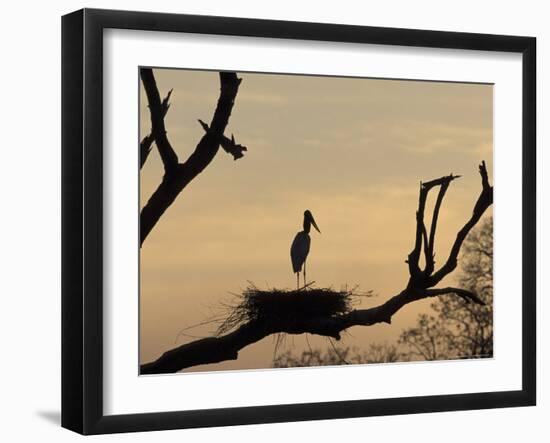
[
  {"x": 458, "y": 329},
  {"x": 332, "y": 356}
]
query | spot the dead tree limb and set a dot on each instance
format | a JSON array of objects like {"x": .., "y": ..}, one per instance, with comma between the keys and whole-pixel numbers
[
  {"x": 228, "y": 144},
  {"x": 226, "y": 347},
  {"x": 420, "y": 286},
  {"x": 147, "y": 143},
  {"x": 178, "y": 175}
]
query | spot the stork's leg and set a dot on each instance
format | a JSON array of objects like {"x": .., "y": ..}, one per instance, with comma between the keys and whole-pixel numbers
[
  {"x": 297, "y": 280},
  {"x": 305, "y": 281}
]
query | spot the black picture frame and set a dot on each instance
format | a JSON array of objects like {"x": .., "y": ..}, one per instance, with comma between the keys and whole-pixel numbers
[{"x": 82, "y": 219}]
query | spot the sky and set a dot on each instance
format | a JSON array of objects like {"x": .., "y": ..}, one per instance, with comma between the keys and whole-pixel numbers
[{"x": 351, "y": 150}]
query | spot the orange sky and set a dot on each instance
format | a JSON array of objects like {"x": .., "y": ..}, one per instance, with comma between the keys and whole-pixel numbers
[{"x": 351, "y": 150}]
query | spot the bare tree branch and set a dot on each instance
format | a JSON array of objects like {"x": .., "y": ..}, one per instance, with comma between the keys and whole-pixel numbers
[
  {"x": 467, "y": 296},
  {"x": 421, "y": 233},
  {"x": 430, "y": 243},
  {"x": 226, "y": 347},
  {"x": 178, "y": 175},
  {"x": 158, "y": 130},
  {"x": 147, "y": 143},
  {"x": 228, "y": 144},
  {"x": 484, "y": 200},
  {"x": 145, "y": 148},
  {"x": 420, "y": 286}
]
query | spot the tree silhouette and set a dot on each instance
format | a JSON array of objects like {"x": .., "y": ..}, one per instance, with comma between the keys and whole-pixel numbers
[
  {"x": 336, "y": 355},
  {"x": 421, "y": 285},
  {"x": 459, "y": 330},
  {"x": 178, "y": 175}
]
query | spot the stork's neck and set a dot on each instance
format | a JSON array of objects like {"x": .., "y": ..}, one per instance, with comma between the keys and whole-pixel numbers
[{"x": 307, "y": 225}]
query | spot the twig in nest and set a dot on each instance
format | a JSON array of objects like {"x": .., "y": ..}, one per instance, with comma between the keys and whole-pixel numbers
[{"x": 273, "y": 306}]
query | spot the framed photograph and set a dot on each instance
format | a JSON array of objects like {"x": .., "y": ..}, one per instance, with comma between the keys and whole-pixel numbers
[{"x": 269, "y": 221}]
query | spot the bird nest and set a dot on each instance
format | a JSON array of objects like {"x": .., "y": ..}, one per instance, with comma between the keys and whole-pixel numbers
[{"x": 274, "y": 306}]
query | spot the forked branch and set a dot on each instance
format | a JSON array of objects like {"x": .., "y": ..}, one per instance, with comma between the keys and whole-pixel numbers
[
  {"x": 484, "y": 200},
  {"x": 147, "y": 143},
  {"x": 178, "y": 175}
]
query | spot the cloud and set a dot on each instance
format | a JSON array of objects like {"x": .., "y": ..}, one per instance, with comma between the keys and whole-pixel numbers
[
  {"x": 425, "y": 138},
  {"x": 263, "y": 98}
]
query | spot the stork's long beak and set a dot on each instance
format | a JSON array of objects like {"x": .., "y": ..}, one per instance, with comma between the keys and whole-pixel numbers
[{"x": 315, "y": 224}]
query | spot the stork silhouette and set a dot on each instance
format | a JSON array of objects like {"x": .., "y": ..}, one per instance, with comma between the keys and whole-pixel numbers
[{"x": 300, "y": 247}]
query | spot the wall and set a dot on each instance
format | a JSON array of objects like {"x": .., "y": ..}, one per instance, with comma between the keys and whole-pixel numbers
[{"x": 30, "y": 252}]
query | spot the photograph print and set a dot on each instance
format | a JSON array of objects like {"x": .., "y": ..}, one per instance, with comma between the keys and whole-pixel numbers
[{"x": 302, "y": 221}]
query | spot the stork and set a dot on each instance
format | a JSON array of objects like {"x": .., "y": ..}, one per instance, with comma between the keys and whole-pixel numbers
[{"x": 300, "y": 247}]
